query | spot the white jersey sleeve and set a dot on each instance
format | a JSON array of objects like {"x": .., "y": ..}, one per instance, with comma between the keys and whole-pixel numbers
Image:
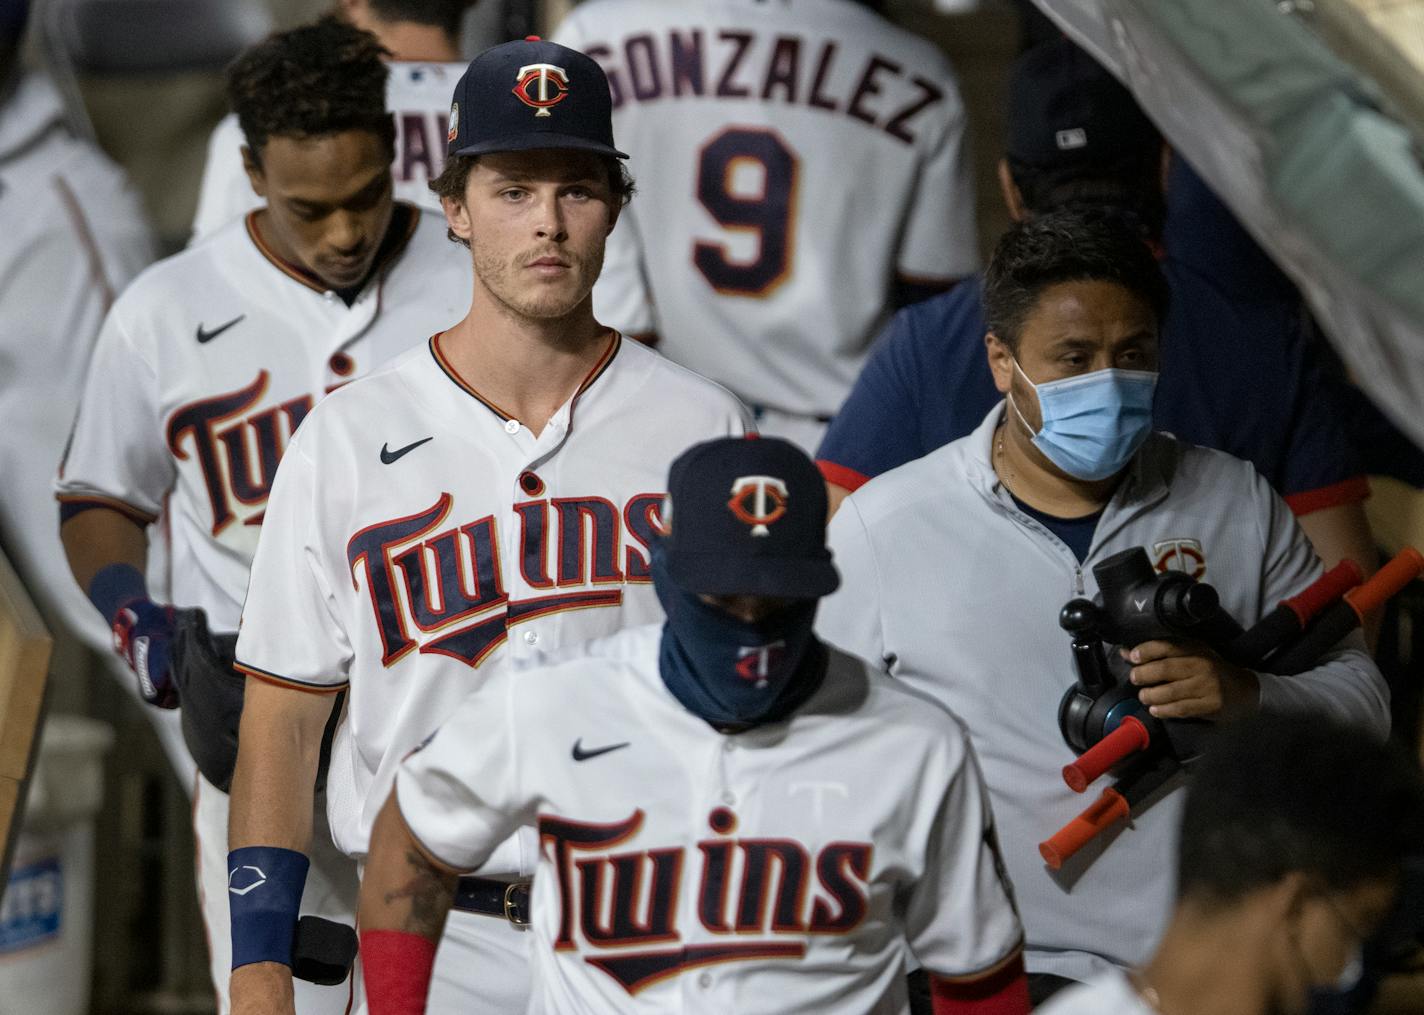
[
  {"x": 1346, "y": 684},
  {"x": 117, "y": 454},
  {"x": 960, "y": 921},
  {"x": 292, "y": 635},
  {"x": 1107, "y": 992},
  {"x": 225, "y": 193},
  {"x": 941, "y": 238},
  {"x": 459, "y": 792}
]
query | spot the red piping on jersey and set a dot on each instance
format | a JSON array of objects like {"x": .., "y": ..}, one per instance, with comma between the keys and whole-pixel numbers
[
  {"x": 1002, "y": 990},
  {"x": 839, "y": 475},
  {"x": 593, "y": 375},
  {"x": 288, "y": 682},
  {"x": 86, "y": 240},
  {"x": 1349, "y": 491},
  {"x": 83, "y": 500},
  {"x": 309, "y": 280}
]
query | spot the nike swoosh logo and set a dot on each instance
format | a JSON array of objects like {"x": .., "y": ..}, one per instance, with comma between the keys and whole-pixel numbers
[
  {"x": 205, "y": 336},
  {"x": 388, "y": 456},
  {"x": 581, "y": 755}
]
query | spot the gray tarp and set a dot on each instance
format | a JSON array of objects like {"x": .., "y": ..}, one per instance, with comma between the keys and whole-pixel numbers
[{"x": 1291, "y": 139}]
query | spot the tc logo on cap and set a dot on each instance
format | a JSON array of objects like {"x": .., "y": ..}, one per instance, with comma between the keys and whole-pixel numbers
[
  {"x": 1073, "y": 137},
  {"x": 454, "y": 130},
  {"x": 758, "y": 501},
  {"x": 549, "y": 84}
]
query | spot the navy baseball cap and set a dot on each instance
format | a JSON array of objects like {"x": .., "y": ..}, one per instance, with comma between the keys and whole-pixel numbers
[
  {"x": 1066, "y": 111},
  {"x": 528, "y": 95},
  {"x": 747, "y": 516}
]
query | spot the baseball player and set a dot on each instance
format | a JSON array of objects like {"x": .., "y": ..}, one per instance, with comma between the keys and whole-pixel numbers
[
  {"x": 422, "y": 40},
  {"x": 205, "y": 368},
  {"x": 487, "y": 495},
  {"x": 996, "y": 531},
  {"x": 811, "y": 174},
  {"x": 1294, "y": 836},
  {"x": 731, "y": 817}
]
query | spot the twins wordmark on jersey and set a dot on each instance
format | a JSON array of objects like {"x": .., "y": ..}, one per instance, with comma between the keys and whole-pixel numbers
[
  {"x": 777, "y": 890},
  {"x": 436, "y": 584},
  {"x": 206, "y": 367}
]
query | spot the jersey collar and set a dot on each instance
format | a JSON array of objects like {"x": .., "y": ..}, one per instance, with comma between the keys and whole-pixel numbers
[
  {"x": 404, "y": 220},
  {"x": 599, "y": 369}
]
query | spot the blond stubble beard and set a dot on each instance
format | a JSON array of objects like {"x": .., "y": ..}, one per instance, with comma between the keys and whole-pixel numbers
[{"x": 496, "y": 274}]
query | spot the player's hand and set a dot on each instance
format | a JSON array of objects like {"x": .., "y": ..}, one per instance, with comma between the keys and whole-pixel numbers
[
  {"x": 262, "y": 988},
  {"x": 1187, "y": 680},
  {"x": 143, "y": 632}
]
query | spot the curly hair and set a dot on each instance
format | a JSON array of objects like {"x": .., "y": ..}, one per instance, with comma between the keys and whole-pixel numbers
[
  {"x": 456, "y": 174},
  {"x": 443, "y": 14},
  {"x": 314, "y": 80},
  {"x": 1075, "y": 245}
]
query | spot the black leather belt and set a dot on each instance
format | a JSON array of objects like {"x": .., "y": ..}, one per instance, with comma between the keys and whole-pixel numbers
[{"x": 507, "y": 900}]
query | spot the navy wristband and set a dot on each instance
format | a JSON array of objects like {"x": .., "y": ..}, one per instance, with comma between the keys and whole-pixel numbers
[
  {"x": 114, "y": 587},
  {"x": 264, "y": 898}
]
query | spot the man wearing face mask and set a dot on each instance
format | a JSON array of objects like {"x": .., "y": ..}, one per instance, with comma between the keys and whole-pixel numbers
[
  {"x": 1283, "y": 876},
  {"x": 955, "y": 567},
  {"x": 732, "y": 816}
]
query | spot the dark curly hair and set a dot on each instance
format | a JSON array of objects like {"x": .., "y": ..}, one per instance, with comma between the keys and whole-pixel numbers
[
  {"x": 317, "y": 79},
  {"x": 456, "y": 174},
  {"x": 443, "y": 14},
  {"x": 1067, "y": 246}
]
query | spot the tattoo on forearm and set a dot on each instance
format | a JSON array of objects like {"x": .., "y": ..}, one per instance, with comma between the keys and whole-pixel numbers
[{"x": 429, "y": 897}]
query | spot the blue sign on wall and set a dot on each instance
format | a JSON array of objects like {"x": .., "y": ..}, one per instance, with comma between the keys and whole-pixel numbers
[{"x": 33, "y": 906}]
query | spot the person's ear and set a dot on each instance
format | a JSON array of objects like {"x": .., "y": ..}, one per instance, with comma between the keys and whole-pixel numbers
[
  {"x": 255, "y": 177},
  {"x": 1001, "y": 361},
  {"x": 1013, "y": 197},
  {"x": 457, "y": 217}
]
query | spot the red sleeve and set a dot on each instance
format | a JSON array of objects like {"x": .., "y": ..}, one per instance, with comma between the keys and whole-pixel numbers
[
  {"x": 396, "y": 967},
  {"x": 1002, "y": 991}
]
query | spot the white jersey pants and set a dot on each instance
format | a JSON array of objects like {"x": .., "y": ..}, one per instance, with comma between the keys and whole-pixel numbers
[{"x": 330, "y": 892}]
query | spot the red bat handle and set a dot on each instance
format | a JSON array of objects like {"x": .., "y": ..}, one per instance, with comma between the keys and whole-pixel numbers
[
  {"x": 1112, "y": 806},
  {"x": 1327, "y": 588},
  {"x": 1386, "y": 582},
  {"x": 1129, "y": 738}
]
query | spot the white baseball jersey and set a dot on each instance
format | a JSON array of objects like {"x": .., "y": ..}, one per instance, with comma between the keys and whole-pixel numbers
[
  {"x": 415, "y": 529},
  {"x": 1111, "y": 992},
  {"x": 791, "y": 158},
  {"x": 207, "y": 364},
  {"x": 779, "y": 870},
  {"x": 418, "y": 97},
  {"x": 958, "y": 591}
]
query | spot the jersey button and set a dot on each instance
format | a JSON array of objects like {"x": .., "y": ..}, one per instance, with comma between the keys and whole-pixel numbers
[
  {"x": 705, "y": 980},
  {"x": 341, "y": 364},
  {"x": 729, "y": 798},
  {"x": 530, "y": 483},
  {"x": 728, "y": 745},
  {"x": 531, "y": 637},
  {"x": 511, "y": 426}
]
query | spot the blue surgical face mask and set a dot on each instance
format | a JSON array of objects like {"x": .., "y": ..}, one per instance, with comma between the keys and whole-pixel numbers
[
  {"x": 1093, "y": 423},
  {"x": 729, "y": 671}
]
